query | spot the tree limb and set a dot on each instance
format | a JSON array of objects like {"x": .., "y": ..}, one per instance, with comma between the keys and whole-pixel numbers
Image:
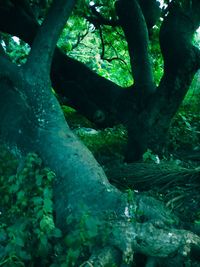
[
  {"x": 96, "y": 90},
  {"x": 180, "y": 65},
  {"x": 135, "y": 29},
  {"x": 45, "y": 42},
  {"x": 80, "y": 38}
]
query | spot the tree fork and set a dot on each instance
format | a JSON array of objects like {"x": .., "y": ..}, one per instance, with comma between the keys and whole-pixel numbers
[
  {"x": 96, "y": 93},
  {"x": 40, "y": 126},
  {"x": 177, "y": 75}
]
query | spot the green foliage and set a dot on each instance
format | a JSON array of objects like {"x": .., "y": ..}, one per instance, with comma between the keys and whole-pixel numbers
[
  {"x": 197, "y": 38},
  {"x": 192, "y": 98},
  {"x": 15, "y": 48},
  {"x": 108, "y": 142},
  {"x": 185, "y": 130},
  {"x": 81, "y": 40},
  {"x": 75, "y": 119},
  {"x": 149, "y": 156},
  {"x": 130, "y": 210},
  {"x": 156, "y": 57},
  {"x": 8, "y": 163},
  {"x": 197, "y": 220},
  {"x": 82, "y": 238},
  {"x": 27, "y": 226}
]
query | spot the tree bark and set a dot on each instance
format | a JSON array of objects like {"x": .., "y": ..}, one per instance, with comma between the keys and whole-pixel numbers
[
  {"x": 81, "y": 186},
  {"x": 147, "y": 119},
  {"x": 135, "y": 29},
  {"x": 181, "y": 62}
]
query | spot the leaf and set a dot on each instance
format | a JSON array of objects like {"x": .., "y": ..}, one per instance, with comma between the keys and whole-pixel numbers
[
  {"x": 19, "y": 241},
  {"x": 37, "y": 200},
  {"x": 3, "y": 235},
  {"x": 43, "y": 241},
  {"x": 24, "y": 255},
  {"x": 38, "y": 178},
  {"x": 73, "y": 239},
  {"x": 72, "y": 256},
  {"x": 50, "y": 175},
  {"x": 48, "y": 205},
  {"x": 20, "y": 195},
  {"x": 14, "y": 188},
  {"x": 47, "y": 224},
  {"x": 47, "y": 193},
  {"x": 56, "y": 233}
]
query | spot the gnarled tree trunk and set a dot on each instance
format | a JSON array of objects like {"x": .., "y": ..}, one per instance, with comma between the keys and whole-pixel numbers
[
  {"x": 33, "y": 121},
  {"x": 145, "y": 110}
]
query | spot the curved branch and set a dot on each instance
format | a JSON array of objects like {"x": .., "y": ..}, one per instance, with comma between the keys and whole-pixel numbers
[
  {"x": 46, "y": 39},
  {"x": 181, "y": 61},
  {"x": 80, "y": 39},
  {"x": 135, "y": 29},
  {"x": 151, "y": 11},
  {"x": 103, "y": 50},
  {"x": 102, "y": 43},
  {"x": 177, "y": 30}
]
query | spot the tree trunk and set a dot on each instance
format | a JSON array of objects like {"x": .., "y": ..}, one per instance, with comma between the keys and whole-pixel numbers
[
  {"x": 146, "y": 114},
  {"x": 81, "y": 186},
  {"x": 181, "y": 62},
  {"x": 33, "y": 121}
]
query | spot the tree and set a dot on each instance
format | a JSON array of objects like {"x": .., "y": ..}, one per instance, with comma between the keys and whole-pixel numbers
[
  {"x": 32, "y": 120},
  {"x": 147, "y": 112}
]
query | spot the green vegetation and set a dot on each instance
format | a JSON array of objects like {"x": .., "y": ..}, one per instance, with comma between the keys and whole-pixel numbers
[
  {"x": 26, "y": 211},
  {"x": 27, "y": 217}
]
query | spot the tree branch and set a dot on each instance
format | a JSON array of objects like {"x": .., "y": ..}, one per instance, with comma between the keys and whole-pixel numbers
[
  {"x": 177, "y": 30},
  {"x": 136, "y": 33},
  {"x": 98, "y": 19},
  {"x": 65, "y": 69},
  {"x": 45, "y": 42},
  {"x": 80, "y": 39},
  {"x": 151, "y": 11}
]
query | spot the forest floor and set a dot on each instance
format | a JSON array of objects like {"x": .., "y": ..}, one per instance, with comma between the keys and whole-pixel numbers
[{"x": 180, "y": 194}]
